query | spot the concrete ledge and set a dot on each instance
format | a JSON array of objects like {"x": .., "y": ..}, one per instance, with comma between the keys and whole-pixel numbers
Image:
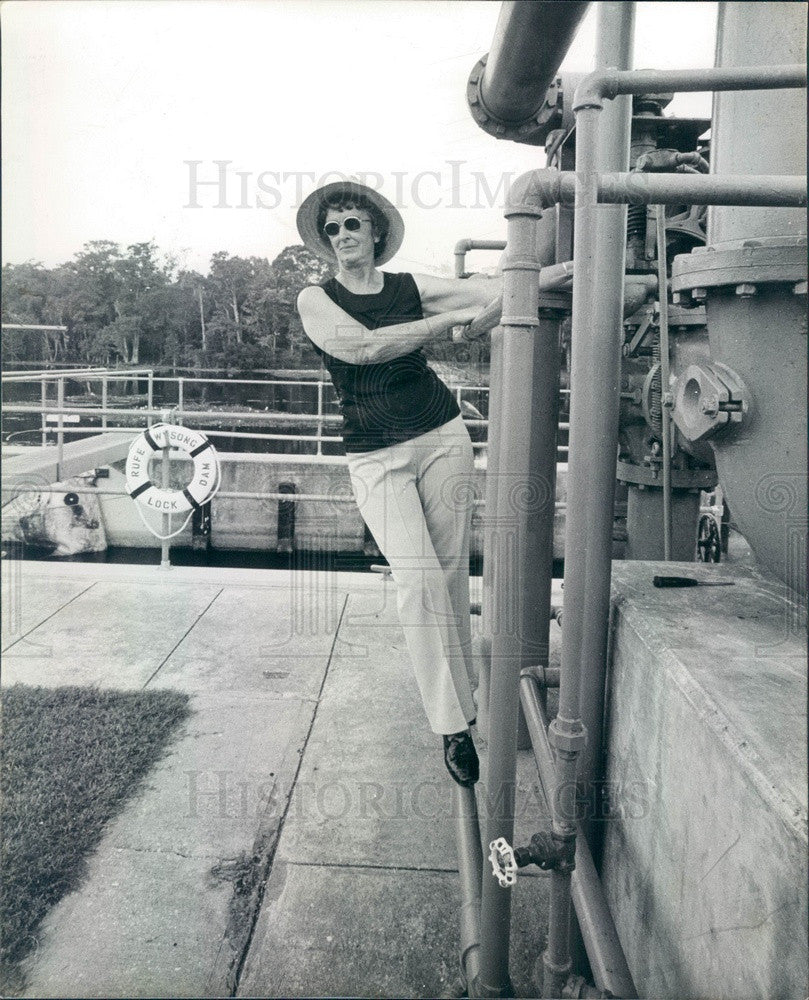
[
  {"x": 705, "y": 863},
  {"x": 40, "y": 467}
]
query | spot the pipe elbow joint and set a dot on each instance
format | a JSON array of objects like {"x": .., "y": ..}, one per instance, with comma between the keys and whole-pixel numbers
[
  {"x": 593, "y": 89},
  {"x": 534, "y": 192}
]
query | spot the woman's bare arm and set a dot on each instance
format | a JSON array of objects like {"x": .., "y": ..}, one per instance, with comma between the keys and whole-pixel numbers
[
  {"x": 439, "y": 295},
  {"x": 335, "y": 332}
]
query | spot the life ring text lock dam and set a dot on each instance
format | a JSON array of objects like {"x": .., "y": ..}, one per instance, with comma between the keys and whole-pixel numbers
[{"x": 195, "y": 445}]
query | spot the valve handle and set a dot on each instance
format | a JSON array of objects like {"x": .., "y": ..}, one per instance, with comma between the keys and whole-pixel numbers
[{"x": 504, "y": 864}]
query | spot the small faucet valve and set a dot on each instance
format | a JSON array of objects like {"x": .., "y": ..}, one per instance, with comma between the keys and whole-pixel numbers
[
  {"x": 546, "y": 851},
  {"x": 504, "y": 864}
]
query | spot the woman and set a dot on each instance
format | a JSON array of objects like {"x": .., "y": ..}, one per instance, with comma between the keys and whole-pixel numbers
[{"x": 409, "y": 453}]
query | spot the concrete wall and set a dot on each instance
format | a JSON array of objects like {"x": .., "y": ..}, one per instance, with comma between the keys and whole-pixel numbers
[
  {"x": 253, "y": 524},
  {"x": 705, "y": 862}
]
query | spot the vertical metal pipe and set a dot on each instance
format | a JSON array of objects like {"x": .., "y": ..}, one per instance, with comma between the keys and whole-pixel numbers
[
  {"x": 60, "y": 425},
  {"x": 487, "y": 624},
  {"x": 180, "y": 398},
  {"x": 522, "y": 547},
  {"x": 319, "y": 418},
  {"x": 104, "y": 398},
  {"x": 665, "y": 428},
  {"x": 599, "y": 249},
  {"x": 595, "y": 389},
  {"x": 568, "y": 724},
  {"x": 539, "y": 486},
  {"x": 44, "y": 395},
  {"x": 604, "y": 951},
  {"x": 470, "y": 870},
  {"x": 165, "y": 469}
]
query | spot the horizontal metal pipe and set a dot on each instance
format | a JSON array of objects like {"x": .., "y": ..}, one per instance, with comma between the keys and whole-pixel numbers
[
  {"x": 78, "y": 374},
  {"x": 159, "y": 411},
  {"x": 241, "y": 415},
  {"x": 530, "y": 41},
  {"x": 701, "y": 189},
  {"x": 17, "y": 489},
  {"x": 606, "y": 84},
  {"x": 604, "y": 950},
  {"x": 248, "y": 436},
  {"x": 222, "y": 495},
  {"x": 544, "y": 188},
  {"x": 31, "y": 326},
  {"x": 462, "y": 248}
]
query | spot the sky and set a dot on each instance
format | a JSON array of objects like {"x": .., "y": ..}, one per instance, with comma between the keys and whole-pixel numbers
[{"x": 201, "y": 124}]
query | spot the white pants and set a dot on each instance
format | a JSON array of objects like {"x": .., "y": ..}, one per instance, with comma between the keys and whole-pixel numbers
[{"x": 416, "y": 498}]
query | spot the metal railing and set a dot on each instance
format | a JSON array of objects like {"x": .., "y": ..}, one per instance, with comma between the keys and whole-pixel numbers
[
  {"x": 176, "y": 400},
  {"x": 175, "y": 408}
]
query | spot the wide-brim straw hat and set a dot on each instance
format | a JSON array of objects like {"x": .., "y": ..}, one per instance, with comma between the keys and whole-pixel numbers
[{"x": 317, "y": 241}]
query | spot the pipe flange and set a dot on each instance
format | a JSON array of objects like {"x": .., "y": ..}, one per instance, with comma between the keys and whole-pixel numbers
[
  {"x": 707, "y": 399},
  {"x": 738, "y": 263},
  {"x": 534, "y": 131}
]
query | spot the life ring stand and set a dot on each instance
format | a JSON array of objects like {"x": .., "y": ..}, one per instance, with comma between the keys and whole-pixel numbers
[{"x": 204, "y": 481}]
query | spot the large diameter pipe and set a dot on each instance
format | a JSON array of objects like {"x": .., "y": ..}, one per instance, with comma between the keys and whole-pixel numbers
[
  {"x": 604, "y": 950},
  {"x": 761, "y": 337},
  {"x": 522, "y": 546},
  {"x": 755, "y": 132},
  {"x": 530, "y": 41}
]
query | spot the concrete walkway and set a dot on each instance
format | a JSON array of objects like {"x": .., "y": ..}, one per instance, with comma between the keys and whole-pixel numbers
[{"x": 297, "y": 838}]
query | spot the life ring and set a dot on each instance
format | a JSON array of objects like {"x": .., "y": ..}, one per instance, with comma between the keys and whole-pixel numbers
[{"x": 203, "y": 482}]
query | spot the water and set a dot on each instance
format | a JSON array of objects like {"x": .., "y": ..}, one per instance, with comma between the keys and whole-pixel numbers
[{"x": 329, "y": 562}]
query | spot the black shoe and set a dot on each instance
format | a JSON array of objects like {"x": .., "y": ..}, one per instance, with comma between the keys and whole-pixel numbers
[{"x": 461, "y": 758}]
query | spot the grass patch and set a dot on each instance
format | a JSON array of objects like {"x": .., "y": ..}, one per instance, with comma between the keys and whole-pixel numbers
[{"x": 70, "y": 758}]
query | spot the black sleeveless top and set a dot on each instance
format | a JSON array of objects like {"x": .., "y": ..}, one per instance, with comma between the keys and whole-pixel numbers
[{"x": 393, "y": 401}]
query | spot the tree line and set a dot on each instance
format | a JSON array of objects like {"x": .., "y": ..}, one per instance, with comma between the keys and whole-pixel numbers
[
  {"x": 132, "y": 306},
  {"x": 124, "y": 306}
]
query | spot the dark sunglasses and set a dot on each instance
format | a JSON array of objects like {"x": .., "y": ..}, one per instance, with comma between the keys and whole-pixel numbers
[{"x": 352, "y": 224}]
